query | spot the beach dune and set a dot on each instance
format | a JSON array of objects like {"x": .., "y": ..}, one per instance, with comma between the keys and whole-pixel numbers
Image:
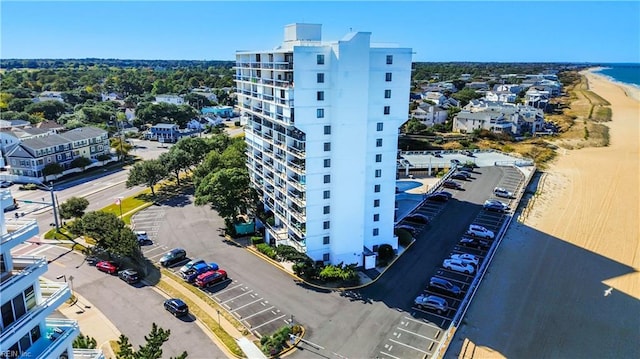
[{"x": 565, "y": 281}]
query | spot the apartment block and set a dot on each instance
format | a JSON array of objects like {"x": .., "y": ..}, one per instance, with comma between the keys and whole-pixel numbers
[{"x": 322, "y": 121}]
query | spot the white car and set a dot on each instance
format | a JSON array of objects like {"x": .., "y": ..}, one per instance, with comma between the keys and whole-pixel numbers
[
  {"x": 466, "y": 258},
  {"x": 143, "y": 237},
  {"x": 458, "y": 266},
  {"x": 480, "y": 232},
  {"x": 501, "y": 192}
]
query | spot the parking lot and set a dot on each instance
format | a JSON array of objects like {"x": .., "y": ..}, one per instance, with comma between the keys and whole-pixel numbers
[
  {"x": 419, "y": 332},
  {"x": 254, "y": 311}
]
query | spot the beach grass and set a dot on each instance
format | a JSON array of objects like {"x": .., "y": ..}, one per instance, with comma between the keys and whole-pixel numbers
[{"x": 601, "y": 114}]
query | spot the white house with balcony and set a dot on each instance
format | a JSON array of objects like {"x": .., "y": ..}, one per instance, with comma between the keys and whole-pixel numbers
[
  {"x": 170, "y": 98},
  {"x": 501, "y": 96},
  {"x": 28, "y": 300},
  {"x": 322, "y": 134},
  {"x": 429, "y": 114}
]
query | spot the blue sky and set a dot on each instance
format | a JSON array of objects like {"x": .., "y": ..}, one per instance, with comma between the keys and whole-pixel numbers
[{"x": 437, "y": 31}]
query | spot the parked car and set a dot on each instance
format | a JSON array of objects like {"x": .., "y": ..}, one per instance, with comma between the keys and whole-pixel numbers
[
  {"x": 437, "y": 154},
  {"x": 172, "y": 257},
  {"x": 431, "y": 302},
  {"x": 408, "y": 228},
  {"x": 479, "y": 231},
  {"x": 193, "y": 273},
  {"x": 501, "y": 192},
  {"x": 107, "y": 267},
  {"x": 459, "y": 176},
  {"x": 210, "y": 278},
  {"x": 455, "y": 162},
  {"x": 185, "y": 268},
  {"x": 458, "y": 266},
  {"x": 6, "y": 184},
  {"x": 418, "y": 218},
  {"x": 129, "y": 275},
  {"x": 494, "y": 205},
  {"x": 466, "y": 168},
  {"x": 438, "y": 196},
  {"x": 465, "y": 173},
  {"x": 466, "y": 258},
  {"x": 143, "y": 238},
  {"x": 176, "y": 307},
  {"x": 441, "y": 285},
  {"x": 468, "y": 153},
  {"x": 474, "y": 243},
  {"x": 451, "y": 184}
]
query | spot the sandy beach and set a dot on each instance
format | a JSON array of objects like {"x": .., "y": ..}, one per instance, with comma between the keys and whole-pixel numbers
[{"x": 565, "y": 281}]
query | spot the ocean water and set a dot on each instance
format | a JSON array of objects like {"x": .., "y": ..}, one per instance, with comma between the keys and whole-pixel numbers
[{"x": 627, "y": 73}]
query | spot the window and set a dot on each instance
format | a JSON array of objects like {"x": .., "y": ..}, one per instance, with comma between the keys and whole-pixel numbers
[
  {"x": 379, "y": 157},
  {"x": 387, "y": 77},
  {"x": 320, "y": 78},
  {"x": 320, "y": 113},
  {"x": 376, "y": 231},
  {"x": 325, "y": 257},
  {"x": 320, "y": 59},
  {"x": 18, "y": 306},
  {"x": 7, "y": 314},
  {"x": 387, "y": 110},
  {"x": 327, "y": 146},
  {"x": 327, "y": 162},
  {"x": 326, "y": 210},
  {"x": 389, "y": 59},
  {"x": 30, "y": 297},
  {"x": 387, "y": 93},
  {"x": 326, "y": 194},
  {"x": 379, "y": 142},
  {"x": 378, "y": 173},
  {"x": 320, "y": 95},
  {"x": 325, "y": 240},
  {"x": 376, "y": 203},
  {"x": 376, "y": 217},
  {"x": 379, "y": 126},
  {"x": 327, "y": 178},
  {"x": 327, "y": 130},
  {"x": 326, "y": 224},
  {"x": 376, "y": 188}
]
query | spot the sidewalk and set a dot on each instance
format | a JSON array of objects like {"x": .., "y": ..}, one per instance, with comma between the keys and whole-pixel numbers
[{"x": 92, "y": 323}]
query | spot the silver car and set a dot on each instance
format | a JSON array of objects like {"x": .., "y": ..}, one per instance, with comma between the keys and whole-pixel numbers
[{"x": 431, "y": 302}]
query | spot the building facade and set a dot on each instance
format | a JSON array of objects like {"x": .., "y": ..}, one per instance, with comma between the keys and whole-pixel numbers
[
  {"x": 322, "y": 126},
  {"x": 28, "y": 300}
]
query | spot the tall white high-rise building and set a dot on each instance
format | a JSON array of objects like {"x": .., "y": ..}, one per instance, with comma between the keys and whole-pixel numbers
[
  {"x": 322, "y": 123},
  {"x": 27, "y": 301}
]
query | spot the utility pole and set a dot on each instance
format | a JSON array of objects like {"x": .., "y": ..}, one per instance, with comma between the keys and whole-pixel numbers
[{"x": 55, "y": 207}]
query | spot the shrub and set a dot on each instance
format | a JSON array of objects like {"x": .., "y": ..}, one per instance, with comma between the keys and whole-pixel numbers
[
  {"x": 339, "y": 272},
  {"x": 305, "y": 269},
  {"x": 28, "y": 187},
  {"x": 288, "y": 253},
  {"x": 273, "y": 344},
  {"x": 385, "y": 252},
  {"x": 404, "y": 237},
  {"x": 257, "y": 240},
  {"x": 236, "y": 123},
  {"x": 266, "y": 250}
]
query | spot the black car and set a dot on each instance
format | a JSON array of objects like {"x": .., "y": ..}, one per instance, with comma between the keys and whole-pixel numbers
[
  {"x": 174, "y": 256},
  {"x": 495, "y": 206},
  {"x": 418, "y": 218},
  {"x": 176, "y": 307},
  {"x": 438, "y": 197},
  {"x": 129, "y": 275},
  {"x": 459, "y": 176},
  {"x": 451, "y": 184},
  {"x": 444, "y": 286},
  {"x": 475, "y": 243}
]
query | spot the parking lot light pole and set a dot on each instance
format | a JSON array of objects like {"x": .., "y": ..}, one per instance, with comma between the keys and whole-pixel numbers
[
  {"x": 55, "y": 207},
  {"x": 218, "y": 310}
]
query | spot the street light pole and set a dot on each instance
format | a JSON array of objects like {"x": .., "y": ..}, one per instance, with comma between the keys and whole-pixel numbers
[{"x": 55, "y": 207}]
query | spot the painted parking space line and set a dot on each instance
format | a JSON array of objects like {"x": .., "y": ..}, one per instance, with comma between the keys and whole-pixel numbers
[
  {"x": 228, "y": 289},
  {"x": 238, "y": 296},
  {"x": 260, "y": 312},
  {"x": 246, "y": 305},
  {"x": 265, "y": 323},
  {"x": 431, "y": 313},
  {"x": 408, "y": 346},
  {"x": 421, "y": 322},
  {"x": 389, "y": 355},
  {"x": 418, "y": 335}
]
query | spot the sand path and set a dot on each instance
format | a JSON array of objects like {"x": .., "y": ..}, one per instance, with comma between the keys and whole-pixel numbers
[{"x": 565, "y": 283}]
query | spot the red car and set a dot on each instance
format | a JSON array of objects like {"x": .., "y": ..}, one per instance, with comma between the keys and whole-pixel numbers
[
  {"x": 210, "y": 278},
  {"x": 107, "y": 267}
]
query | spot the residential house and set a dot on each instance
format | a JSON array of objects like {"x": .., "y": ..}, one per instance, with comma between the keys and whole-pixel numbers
[
  {"x": 537, "y": 98},
  {"x": 498, "y": 117},
  {"x": 169, "y": 98},
  {"x": 478, "y": 86},
  {"x": 29, "y": 157},
  {"x": 513, "y": 88},
  {"x": 4, "y": 124},
  {"x": 429, "y": 114},
  {"x": 218, "y": 111},
  {"x": 207, "y": 94},
  {"x": 164, "y": 132},
  {"x": 49, "y": 96},
  {"x": 110, "y": 96},
  {"x": 51, "y": 126},
  {"x": 501, "y": 96},
  {"x": 467, "y": 122},
  {"x": 437, "y": 98}
]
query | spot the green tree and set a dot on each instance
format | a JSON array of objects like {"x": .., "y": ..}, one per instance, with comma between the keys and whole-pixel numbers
[
  {"x": 19, "y": 104},
  {"x": 52, "y": 169},
  {"x": 228, "y": 191},
  {"x": 103, "y": 157},
  {"x": 110, "y": 233},
  {"x": 80, "y": 162},
  {"x": 199, "y": 147},
  {"x": 176, "y": 161},
  {"x": 414, "y": 126},
  {"x": 125, "y": 350},
  {"x": 121, "y": 146},
  {"x": 84, "y": 342},
  {"x": 465, "y": 95},
  {"x": 73, "y": 207},
  {"x": 148, "y": 172},
  {"x": 152, "y": 348},
  {"x": 50, "y": 109}
]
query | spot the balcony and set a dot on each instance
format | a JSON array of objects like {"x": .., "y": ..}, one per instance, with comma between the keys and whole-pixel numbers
[
  {"x": 19, "y": 230},
  {"x": 297, "y": 151},
  {"x": 297, "y": 166},
  {"x": 53, "y": 295},
  {"x": 58, "y": 336},
  {"x": 23, "y": 268},
  {"x": 298, "y": 214}
]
